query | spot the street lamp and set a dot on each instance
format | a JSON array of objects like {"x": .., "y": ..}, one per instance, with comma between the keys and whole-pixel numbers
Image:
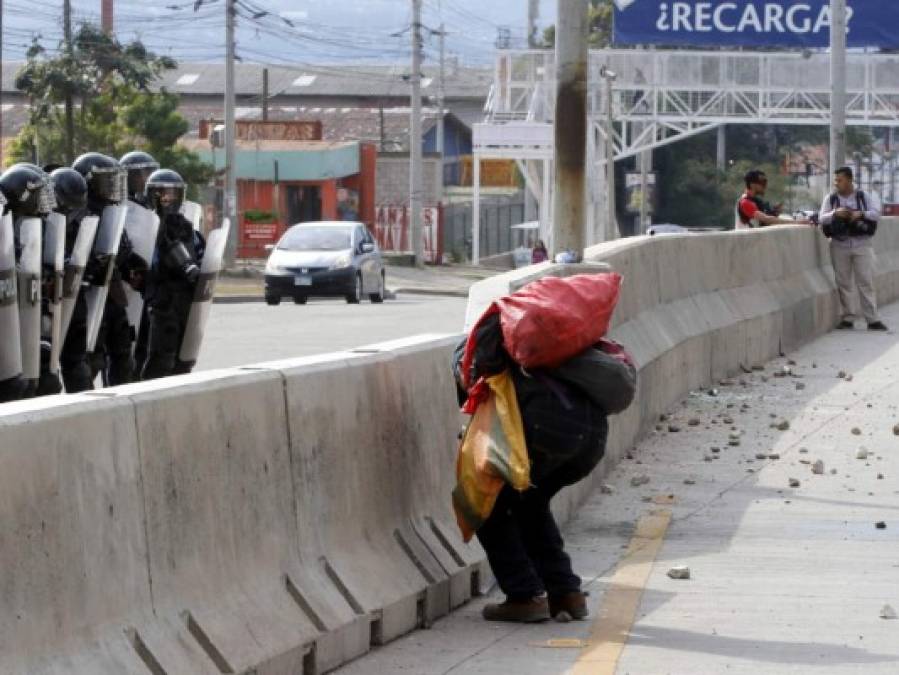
[{"x": 612, "y": 226}]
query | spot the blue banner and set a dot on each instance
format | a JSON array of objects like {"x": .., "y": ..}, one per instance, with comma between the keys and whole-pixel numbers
[{"x": 753, "y": 23}]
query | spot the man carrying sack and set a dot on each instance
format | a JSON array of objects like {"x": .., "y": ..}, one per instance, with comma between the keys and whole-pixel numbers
[{"x": 539, "y": 380}]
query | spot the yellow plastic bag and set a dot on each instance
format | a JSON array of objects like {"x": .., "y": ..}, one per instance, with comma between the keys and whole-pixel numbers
[{"x": 492, "y": 452}]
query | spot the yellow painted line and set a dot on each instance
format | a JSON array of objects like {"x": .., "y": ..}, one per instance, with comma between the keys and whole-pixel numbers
[{"x": 622, "y": 599}]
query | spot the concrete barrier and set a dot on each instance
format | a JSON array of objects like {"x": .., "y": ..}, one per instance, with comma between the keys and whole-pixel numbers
[{"x": 282, "y": 518}]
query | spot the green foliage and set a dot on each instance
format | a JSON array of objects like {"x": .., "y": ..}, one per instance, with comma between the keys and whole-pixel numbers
[
  {"x": 260, "y": 216},
  {"x": 600, "y": 19},
  {"x": 107, "y": 83}
]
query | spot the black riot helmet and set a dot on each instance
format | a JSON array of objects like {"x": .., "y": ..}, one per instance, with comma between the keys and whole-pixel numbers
[
  {"x": 104, "y": 177},
  {"x": 71, "y": 190},
  {"x": 165, "y": 192},
  {"x": 139, "y": 166},
  {"x": 28, "y": 190}
]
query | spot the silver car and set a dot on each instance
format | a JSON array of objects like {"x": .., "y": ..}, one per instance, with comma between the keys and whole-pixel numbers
[{"x": 329, "y": 258}]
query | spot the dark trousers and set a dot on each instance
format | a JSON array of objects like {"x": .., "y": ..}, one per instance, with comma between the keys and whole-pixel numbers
[
  {"x": 165, "y": 333},
  {"x": 112, "y": 353},
  {"x": 521, "y": 538},
  {"x": 76, "y": 371}
]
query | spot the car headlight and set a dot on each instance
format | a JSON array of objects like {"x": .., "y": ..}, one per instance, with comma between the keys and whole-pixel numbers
[
  {"x": 275, "y": 270},
  {"x": 345, "y": 260}
]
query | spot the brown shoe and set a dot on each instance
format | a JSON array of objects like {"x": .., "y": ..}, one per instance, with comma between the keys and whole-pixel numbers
[
  {"x": 534, "y": 610},
  {"x": 568, "y": 606}
]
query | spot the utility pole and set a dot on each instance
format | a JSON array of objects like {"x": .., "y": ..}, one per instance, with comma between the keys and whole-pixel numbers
[
  {"x": 612, "y": 215},
  {"x": 533, "y": 14},
  {"x": 230, "y": 195},
  {"x": 837, "y": 84},
  {"x": 570, "y": 156},
  {"x": 441, "y": 93},
  {"x": 69, "y": 104},
  {"x": 265, "y": 94},
  {"x": 415, "y": 154},
  {"x": 106, "y": 16}
]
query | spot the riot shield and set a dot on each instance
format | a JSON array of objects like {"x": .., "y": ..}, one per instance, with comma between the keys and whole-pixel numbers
[
  {"x": 106, "y": 246},
  {"x": 54, "y": 256},
  {"x": 29, "y": 287},
  {"x": 10, "y": 347},
  {"x": 74, "y": 269},
  {"x": 212, "y": 264},
  {"x": 194, "y": 213},
  {"x": 142, "y": 226}
]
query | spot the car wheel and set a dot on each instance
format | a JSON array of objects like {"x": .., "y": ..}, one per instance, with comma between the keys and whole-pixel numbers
[
  {"x": 299, "y": 300},
  {"x": 355, "y": 297},
  {"x": 378, "y": 297},
  {"x": 273, "y": 300}
]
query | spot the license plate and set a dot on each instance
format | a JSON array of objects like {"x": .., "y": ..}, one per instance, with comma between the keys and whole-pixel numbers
[{"x": 302, "y": 280}]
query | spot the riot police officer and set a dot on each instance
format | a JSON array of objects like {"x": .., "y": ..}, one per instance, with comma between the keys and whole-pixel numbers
[
  {"x": 112, "y": 352},
  {"x": 139, "y": 166},
  {"x": 173, "y": 275},
  {"x": 71, "y": 201},
  {"x": 29, "y": 195}
]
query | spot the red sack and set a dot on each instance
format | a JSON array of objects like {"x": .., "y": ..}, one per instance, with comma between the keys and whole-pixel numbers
[{"x": 552, "y": 319}]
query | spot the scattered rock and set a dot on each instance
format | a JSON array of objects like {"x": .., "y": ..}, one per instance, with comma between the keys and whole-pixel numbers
[
  {"x": 791, "y": 362},
  {"x": 856, "y": 431},
  {"x": 758, "y": 367},
  {"x": 833, "y": 472},
  {"x": 734, "y": 436},
  {"x": 607, "y": 489},
  {"x": 861, "y": 453},
  {"x": 805, "y": 461},
  {"x": 803, "y": 451},
  {"x": 800, "y": 386},
  {"x": 880, "y": 476},
  {"x": 663, "y": 417},
  {"x": 761, "y": 455},
  {"x": 880, "y": 525},
  {"x": 818, "y": 468},
  {"x": 734, "y": 443},
  {"x": 764, "y": 378},
  {"x": 637, "y": 481},
  {"x": 681, "y": 572},
  {"x": 896, "y": 430},
  {"x": 783, "y": 425},
  {"x": 794, "y": 483},
  {"x": 659, "y": 427},
  {"x": 841, "y": 374},
  {"x": 730, "y": 420},
  {"x": 814, "y": 365},
  {"x": 707, "y": 458},
  {"x": 713, "y": 392},
  {"x": 849, "y": 378},
  {"x": 689, "y": 481},
  {"x": 673, "y": 428},
  {"x": 887, "y": 612},
  {"x": 715, "y": 449},
  {"x": 694, "y": 422},
  {"x": 773, "y": 455}
]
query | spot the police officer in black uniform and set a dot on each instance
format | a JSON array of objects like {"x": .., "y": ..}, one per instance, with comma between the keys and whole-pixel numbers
[
  {"x": 172, "y": 277},
  {"x": 112, "y": 353},
  {"x": 139, "y": 165},
  {"x": 71, "y": 201},
  {"x": 29, "y": 193}
]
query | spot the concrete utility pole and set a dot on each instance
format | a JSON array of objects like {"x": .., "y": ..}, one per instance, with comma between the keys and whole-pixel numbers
[
  {"x": 837, "y": 84},
  {"x": 570, "y": 147},
  {"x": 265, "y": 94},
  {"x": 230, "y": 196},
  {"x": 533, "y": 14},
  {"x": 415, "y": 155},
  {"x": 69, "y": 104},
  {"x": 441, "y": 94},
  {"x": 611, "y": 202},
  {"x": 106, "y": 16}
]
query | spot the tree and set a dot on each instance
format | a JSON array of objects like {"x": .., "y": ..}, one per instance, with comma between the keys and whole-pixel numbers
[
  {"x": 600, "y": 22},
  {"x": 117, "y": 112}
]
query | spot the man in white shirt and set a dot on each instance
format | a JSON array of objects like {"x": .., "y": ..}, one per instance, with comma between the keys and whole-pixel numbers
[{"x": 849, "y": 218}]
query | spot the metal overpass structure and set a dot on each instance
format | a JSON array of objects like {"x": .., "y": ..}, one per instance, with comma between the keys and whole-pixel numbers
[{"x": 662, "y": 96}]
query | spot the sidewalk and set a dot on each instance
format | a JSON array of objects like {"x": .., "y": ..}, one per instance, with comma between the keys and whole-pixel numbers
[
  {"x": 244, "y": 283},
  {"x": 790, "y": 570}
]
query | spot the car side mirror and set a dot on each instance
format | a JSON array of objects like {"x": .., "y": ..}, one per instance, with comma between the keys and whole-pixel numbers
[
  {"x": 269, "y": 247},
  {"x": 368, "y": 247}
]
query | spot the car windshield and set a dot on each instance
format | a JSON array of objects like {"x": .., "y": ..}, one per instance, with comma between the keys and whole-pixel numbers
[{"x": 316, "y": 239}]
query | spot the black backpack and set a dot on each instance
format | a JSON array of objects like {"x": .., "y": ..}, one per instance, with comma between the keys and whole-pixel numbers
[{"x": 841, "y": 230}]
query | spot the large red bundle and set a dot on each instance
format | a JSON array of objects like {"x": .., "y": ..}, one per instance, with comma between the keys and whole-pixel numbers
[{"x": 553, "y": 319}]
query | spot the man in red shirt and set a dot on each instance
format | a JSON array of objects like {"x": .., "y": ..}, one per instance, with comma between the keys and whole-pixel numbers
[{"x": 753, "y": 211}]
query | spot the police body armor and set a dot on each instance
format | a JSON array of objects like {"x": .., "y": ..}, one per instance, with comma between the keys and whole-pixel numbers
[
  {"x": 10, "y": 346},
  {"x": 54, "y": 264},
  {"x": 29, "y": 289},
  {"x": 212, "y": 264},
  {"x": 194, "y": 213},
  {"x": 106, "y": 246},
  {"x": 142, "y": 227},
  {"x": 74, "y": 268}
]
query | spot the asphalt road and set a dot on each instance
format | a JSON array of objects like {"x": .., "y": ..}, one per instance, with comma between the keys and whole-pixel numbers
[{"x": 242, "y": 334}]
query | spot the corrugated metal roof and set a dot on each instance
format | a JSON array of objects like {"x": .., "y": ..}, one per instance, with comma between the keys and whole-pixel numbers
[{"x": 310, "y": 80}]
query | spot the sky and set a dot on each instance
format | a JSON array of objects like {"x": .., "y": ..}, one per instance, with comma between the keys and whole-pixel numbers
[{"x": 323, "y": 31}]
